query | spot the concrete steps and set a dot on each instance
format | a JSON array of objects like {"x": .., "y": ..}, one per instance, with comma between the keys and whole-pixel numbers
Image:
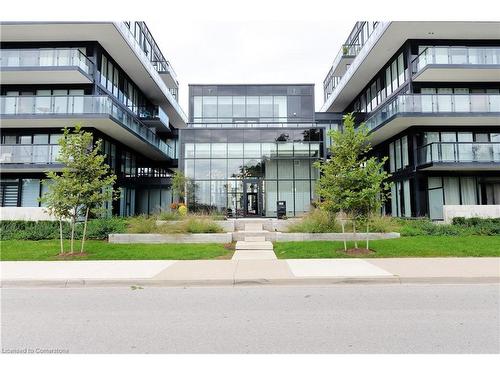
[
  {"x": 254, "y": 237},
  {"x": 251, "y": 245},
  {"x": 268, "y": 236}
]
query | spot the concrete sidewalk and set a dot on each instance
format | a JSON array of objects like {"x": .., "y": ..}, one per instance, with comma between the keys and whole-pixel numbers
[{"x": 249, "y": 271}]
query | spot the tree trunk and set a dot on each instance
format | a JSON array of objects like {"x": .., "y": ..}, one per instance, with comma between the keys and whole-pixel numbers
[
  {"x": 61, "y": 235},
  {"x": 73, "y": 224},
  {"x": 367, "y": 231},
  {"x": 85, "y": 228},
  {"x": 343, "y": 235},
  {"x": 354, "y": 234}
]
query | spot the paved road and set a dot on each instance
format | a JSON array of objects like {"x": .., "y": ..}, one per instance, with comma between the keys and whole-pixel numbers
[{"x": 326, "y": 319}]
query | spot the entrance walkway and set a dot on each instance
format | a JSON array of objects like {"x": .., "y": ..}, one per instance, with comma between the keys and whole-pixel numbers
[{"x": 254, "y": 244}]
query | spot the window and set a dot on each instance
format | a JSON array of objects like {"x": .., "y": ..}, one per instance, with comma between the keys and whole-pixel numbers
[
  {"x": 239, "y": 107},
  {"x": 225, "y": 107},
  {"x": 266, "y": 106},
  {"x": 210, "y": 106},
  {"x": 394, "y": 75},
  {"x": 253, "y": 106},
  {"x": 388, "y": 81},
  {"x": 104, "y": 70},
  {"x": 197, "y": 107},
  {"x": 401, "y": 69}
]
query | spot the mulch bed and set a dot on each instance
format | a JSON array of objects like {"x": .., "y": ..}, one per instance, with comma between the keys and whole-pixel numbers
[
  {"x": 359, "y": 251},
  {"x": 76, "y": 254}
]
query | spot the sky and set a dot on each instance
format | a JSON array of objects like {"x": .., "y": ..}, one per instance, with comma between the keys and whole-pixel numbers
[{"x": 247, "y": 51}]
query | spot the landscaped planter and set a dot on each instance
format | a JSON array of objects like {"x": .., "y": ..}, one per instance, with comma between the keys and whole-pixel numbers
[
  {"x": 287, "y": 237},
  {"x": 170, "y": 238},
  {"x": 226, "y": 225}
]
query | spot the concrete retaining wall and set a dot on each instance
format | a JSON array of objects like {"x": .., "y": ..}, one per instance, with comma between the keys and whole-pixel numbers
[
  {"x": 468, "y": 211},
  {"x": 170, "y": 238},
  {"x": 25, "y": 213},
  {"x": 287, "y": 237}
]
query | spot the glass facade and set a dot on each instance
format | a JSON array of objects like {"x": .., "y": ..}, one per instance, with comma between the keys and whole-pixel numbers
[
  {"x": 251, "y": 103},
  {"x": 245, "y": 171}
]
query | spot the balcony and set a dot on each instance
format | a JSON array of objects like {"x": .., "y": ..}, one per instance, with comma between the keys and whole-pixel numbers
[
  {"x": 154, "y": 117},
  {"x": 28, "y": 157},
  {"x": 45, "y": 66},
  {"x": 340, "y": 64},
  {"x": 99, "y": 112},
  {"x": 457, "y": 64},
  {"x": 424, "y": 110},
  {"x": 459, "y": 156}
]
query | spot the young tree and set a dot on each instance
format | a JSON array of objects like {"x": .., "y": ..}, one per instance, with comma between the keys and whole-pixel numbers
[
  {"x": 179, "y": 185},
  {"x": 85, "y": 183},
  {"x": 350, "y": 182}
]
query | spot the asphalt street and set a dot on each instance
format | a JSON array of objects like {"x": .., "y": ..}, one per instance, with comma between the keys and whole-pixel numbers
[{"x": 261, "y": 319}]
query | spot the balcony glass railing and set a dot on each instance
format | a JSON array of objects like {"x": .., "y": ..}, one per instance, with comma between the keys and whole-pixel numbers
[
  {"x": 459, "y": 152},
  {"x": 156, "y": 113},
  {"x": 232, "y": 125},
  {"x": 28, "y": 153},
  {"x": 45, "y": 57},
  {"x": 80, "y": 105},
  {"x": 456, "y": 56},
  {"x": 429, "y": 104}
]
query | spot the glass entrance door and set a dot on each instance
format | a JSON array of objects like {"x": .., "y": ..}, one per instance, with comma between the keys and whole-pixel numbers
[{"x": 252, "y": 201}]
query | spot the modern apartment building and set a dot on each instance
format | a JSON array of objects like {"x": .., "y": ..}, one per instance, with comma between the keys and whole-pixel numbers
[
  {"x": 428, "y": 91},
  {"x": 111, "y": 78},
  {"x": 430, "y": 94}
]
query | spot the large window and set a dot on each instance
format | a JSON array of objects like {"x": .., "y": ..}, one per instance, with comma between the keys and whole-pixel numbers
[
  {"x": 398, "y": 154},
  {"x": 450, "y": 191},
  {"x": 239, "y": 108}
]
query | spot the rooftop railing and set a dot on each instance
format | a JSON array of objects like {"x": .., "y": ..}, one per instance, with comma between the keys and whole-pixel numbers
[
  {"x": 45, "y": 57},
  {"x": 68, "y": 105},
  {"x": 423, "y": 104},
  {"x": 459, "y": 152},
  {"x": 232, "y": 125},
  {"x": 456, "y": 56}
]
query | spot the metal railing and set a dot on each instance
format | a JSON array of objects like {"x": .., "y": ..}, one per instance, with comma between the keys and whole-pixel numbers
[
  {"x": 232, "y": 125},
  {"x": 45, "y": 57},
  {"x": 29, "y": 153},
  {"x": 456, "y": 56},
  {"x": 459, "y": 152},
  {"x": 429, "y": 104},
  {"x": 65, "y": 105}
]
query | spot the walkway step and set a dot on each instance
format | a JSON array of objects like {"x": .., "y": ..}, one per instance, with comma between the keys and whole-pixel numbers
[
  {"x": 241, "y": 236},
  {"x": 244, "y": 245},
  {"x": 253, "y": 227},
  {"x": 253, "y": 254},
  {"x": 255, "y": 239}
]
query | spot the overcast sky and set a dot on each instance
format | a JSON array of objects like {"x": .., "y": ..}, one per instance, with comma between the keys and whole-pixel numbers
[{"x": 250, "y": 51}]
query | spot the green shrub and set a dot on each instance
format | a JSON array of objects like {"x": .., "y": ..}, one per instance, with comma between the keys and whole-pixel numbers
[
  {"x": 141, "y": 224},
  {"x": 98, "y": 229},
  {"x": 383, "y": 224},
  {"x": 194, "y": 225},
  {"x": 480, "y": 226},
  {"x": 169, "y": 216},
  {"x": 47, "y": 230},
  {"x": 316, "y": 221}
]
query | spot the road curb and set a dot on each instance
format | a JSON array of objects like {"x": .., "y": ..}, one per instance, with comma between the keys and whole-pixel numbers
[{"x": 79, "y": 283}]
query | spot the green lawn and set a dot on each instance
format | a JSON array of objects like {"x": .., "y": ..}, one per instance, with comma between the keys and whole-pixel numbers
[
  {"x": 417, "y": 246},
  {"x": 101, "y": 250}
]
